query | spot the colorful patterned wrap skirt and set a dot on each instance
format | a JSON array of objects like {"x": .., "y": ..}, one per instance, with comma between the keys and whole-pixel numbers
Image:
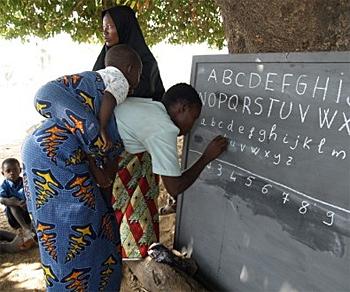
[
  {"x": 78, "y": 235},
  {"x": 135, "y": 194}
]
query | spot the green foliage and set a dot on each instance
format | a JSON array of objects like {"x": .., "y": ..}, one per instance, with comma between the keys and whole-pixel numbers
[
  {"x": 176, "y": 21},
  {"x": 182, "y": 21}
]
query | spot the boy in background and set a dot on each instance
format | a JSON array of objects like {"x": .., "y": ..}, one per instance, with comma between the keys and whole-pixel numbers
[{"x": 12, "y": 196}]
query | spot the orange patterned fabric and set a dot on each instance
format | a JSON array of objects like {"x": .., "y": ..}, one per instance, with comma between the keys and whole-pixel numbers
[{"x": 135, "y": 193}]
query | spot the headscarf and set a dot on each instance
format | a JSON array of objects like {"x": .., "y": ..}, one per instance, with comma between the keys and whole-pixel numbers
[{"x": 130, "y": 33}]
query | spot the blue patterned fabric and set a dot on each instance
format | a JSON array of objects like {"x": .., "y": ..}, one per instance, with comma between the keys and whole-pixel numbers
[{"x": 78, "y": 235}]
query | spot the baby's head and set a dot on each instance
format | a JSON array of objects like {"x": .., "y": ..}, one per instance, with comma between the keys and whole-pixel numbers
[
  {"x": 11, "y": 169},
  {"x": 127, "y": 60}
]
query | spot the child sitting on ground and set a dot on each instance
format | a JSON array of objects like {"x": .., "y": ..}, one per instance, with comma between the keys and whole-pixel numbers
[
  {"x": 12, "y": 196},
  {"x": 88, "y": 117}
]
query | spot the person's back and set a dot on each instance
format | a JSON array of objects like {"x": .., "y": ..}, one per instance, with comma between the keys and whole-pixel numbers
[
  {"x": 148, "y": 117},
  {"x": 83, "y": 103},
  {"x": 145, "y": 125}
]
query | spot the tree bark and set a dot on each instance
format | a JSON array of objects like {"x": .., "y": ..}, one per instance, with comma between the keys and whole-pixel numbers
[{"x": 286, "y": 25}]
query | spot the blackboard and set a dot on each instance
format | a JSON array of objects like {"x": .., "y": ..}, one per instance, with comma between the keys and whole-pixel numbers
[{"x": 273, "y": 213}]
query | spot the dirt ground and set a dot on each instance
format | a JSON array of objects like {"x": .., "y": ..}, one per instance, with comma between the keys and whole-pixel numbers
[{"x": 22, "y": 271}]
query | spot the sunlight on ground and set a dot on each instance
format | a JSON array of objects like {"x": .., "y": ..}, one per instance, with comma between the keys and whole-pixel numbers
[{"x": 24, "y": 276}]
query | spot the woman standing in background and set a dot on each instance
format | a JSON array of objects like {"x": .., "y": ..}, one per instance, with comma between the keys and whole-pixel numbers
[
  {"x": 136, "y": 188},
  {"x": 120, "y": 26}
]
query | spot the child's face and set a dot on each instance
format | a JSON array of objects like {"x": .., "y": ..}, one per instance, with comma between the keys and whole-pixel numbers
[{"x": 11, "y": 171}]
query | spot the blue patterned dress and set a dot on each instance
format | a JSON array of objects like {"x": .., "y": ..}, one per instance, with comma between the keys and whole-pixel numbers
[{"x": 78, "y": 234}]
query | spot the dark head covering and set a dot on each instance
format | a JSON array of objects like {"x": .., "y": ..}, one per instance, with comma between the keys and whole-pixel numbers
[{"x": 130, "y": 33}]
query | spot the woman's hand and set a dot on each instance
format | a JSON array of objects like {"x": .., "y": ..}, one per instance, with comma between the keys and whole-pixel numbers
[{"x": 217, "y": 146}]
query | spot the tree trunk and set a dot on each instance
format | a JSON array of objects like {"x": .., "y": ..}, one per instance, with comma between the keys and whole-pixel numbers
[{"x": 286, "y": 25}]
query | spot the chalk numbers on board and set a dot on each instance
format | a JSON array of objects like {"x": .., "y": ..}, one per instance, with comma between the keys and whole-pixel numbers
[
  {"x": 330, "y": 216},
  {"x": 285, "y": 197},
  {"x": 219, "y": 170},
  {"x": 232, "y": 176},
  {"x": 265, "y": 188},
  {"x": 303, "y": 208}
]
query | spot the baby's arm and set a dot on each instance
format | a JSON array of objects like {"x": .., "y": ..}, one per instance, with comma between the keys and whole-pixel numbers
[{"x": 106, "y": 110}]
